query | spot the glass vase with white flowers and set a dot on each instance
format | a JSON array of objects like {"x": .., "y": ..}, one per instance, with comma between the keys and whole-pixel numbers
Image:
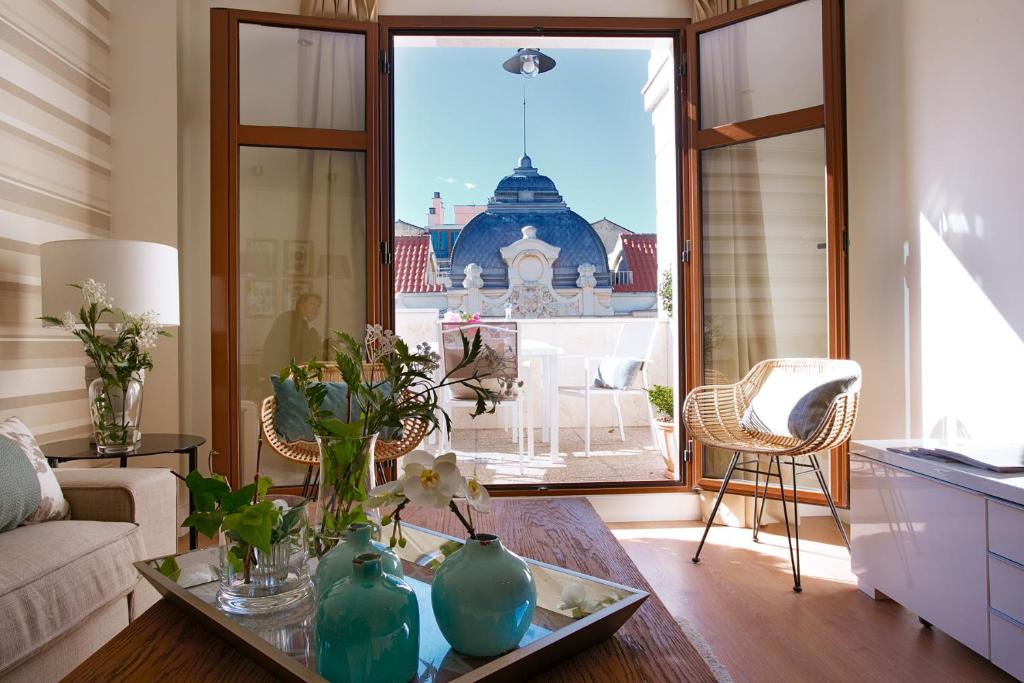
[
  {"x": 121, "y": 358},
  {"x": 483, "y": 595},
  {"x": 388, "y": 387}
]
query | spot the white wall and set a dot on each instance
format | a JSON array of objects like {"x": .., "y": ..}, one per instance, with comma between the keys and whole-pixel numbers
[{"x": 934, "y": 109}]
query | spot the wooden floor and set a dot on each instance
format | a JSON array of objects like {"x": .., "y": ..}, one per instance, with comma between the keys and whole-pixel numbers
[{"x": 740, "y": 599}]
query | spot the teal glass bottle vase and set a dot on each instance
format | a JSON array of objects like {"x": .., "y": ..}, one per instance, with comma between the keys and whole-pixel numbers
[
  {"x": 336, "y": 563},
  {"x": 483, "y": 598},
  {"x": 368, "y": 627}
]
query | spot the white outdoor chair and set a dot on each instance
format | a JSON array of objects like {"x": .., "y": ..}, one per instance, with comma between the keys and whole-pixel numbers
[
  {"x": 504, "y": 338},
  {"x": 635, "y": 342}
]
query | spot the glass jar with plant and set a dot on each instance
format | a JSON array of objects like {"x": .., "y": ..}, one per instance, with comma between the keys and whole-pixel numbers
[
  {"x": 121, "y": 357},
  {"x": 263, "y": 543},
  {"x": 662, "y": 399},
  {"x": 388, "y": 387}
]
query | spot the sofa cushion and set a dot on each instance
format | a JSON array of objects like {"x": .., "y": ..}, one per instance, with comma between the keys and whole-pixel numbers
[
  {"x": 51, "y": 503},
  {"x": 19, "y": 485},
  {"x": 54, "y": 576}
]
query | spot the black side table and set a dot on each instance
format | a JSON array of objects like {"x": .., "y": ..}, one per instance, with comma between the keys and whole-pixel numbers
[{"x": 151, "y": 444}]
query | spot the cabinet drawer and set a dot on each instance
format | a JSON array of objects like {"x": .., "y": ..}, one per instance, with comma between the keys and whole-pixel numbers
[
  {"x": 1007, "y": 645},
  {"x": 1006, "y": 531},
  {"x": 1006, "y": 587}
]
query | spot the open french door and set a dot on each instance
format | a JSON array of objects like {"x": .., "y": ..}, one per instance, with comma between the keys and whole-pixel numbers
[
  {"x": 766, "y": 202},
  {"x": 295, "y": 227}
]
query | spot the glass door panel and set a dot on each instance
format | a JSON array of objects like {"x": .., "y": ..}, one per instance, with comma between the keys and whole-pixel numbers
[
  {"x": 765, "y": 270},
  {"x": 301, "y": 78},
  {"x": 302, "y": 272},
  {"x": 747, "y": 70}
]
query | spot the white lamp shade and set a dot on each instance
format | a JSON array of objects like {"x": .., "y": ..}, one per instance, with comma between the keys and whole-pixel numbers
[{"x": 140, "y": 276}]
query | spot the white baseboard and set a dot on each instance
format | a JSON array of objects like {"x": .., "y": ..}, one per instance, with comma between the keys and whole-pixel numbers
[{"x": 647, "y": 507}]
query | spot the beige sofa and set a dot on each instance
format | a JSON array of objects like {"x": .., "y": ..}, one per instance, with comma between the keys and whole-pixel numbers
[{"x": 67, "y": 587}]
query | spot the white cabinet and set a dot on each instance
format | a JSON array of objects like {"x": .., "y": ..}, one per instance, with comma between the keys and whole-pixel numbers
[
  {"x": 923, "y": 544},
  {"x": 946, "y": 541}
]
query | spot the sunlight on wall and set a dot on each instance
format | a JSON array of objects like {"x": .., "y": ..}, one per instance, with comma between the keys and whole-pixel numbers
[{"x": 971, "y": 358}]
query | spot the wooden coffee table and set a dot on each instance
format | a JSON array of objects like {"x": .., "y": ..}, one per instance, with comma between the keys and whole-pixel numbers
[{"x": 167, "y": 644}]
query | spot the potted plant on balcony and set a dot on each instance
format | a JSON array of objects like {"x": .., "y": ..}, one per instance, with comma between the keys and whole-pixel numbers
[{"x": 663, "y": 400}]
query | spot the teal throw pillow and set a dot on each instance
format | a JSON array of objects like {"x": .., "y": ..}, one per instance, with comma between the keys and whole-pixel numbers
[
  {"x": 20, "y": 492},
  {"x": 291, "y": 414}
]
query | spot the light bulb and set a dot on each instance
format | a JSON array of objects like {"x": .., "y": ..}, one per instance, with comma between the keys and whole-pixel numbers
[{"x": 529, "y": 67}]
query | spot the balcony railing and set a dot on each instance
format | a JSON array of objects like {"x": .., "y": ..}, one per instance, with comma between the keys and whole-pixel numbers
[{"x": 622, "y": 277}]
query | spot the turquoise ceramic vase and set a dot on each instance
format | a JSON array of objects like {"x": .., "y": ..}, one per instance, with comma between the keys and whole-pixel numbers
[
  {"x": 368, "y": 627},
  {"x": 336, "y": 564},
  {"x": 483, "y": 598}
]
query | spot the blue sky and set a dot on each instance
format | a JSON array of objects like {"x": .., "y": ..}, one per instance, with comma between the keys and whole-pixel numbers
[{"x": 458, "y": 130}]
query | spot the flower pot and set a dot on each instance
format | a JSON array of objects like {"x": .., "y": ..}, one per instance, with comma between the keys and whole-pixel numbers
[
  {"x": 266, "y": 581},
  {"x": 483, "y": 597},
  {"x": 336, "y": 564},
  {"x": 346, "y": 474},
  {"x": 667, "y": 428},
  {"x": 116, "y": 413},
  {"x": 368, "y": 627}
]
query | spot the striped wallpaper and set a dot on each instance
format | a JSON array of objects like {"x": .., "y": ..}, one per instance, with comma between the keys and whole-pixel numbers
[{"x": 54, "y": 184}]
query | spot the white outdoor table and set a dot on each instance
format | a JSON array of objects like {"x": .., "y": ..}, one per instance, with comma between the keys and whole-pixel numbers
[{"x": 548, "y": 355}]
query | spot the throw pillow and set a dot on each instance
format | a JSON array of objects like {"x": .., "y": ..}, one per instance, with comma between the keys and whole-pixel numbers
[
  {"x": 19, "y": 486},
  {"x": 51, "y": 500},
  {"x": 291, "y": 412},
  {"x": 617, "y": 373},
  {"x": 793, "y": 405}
]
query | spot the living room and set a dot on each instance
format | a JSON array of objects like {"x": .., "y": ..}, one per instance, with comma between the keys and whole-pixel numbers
[{"x": 797, "y": 340}]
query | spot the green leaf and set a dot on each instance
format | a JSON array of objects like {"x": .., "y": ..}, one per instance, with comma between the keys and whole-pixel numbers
[
  {"x": 206, "y": 491},
  {"x": 262, "y": 486},
  {"x": 169, "y": 568},
  {"x": 254, "y": 524},
  {"x": 206, "y": 523},
  {"x": 231, "y": 502}
]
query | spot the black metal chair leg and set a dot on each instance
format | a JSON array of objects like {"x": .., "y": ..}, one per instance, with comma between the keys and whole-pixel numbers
[
  {"x": 785, "y": 517},
  {"x": 718, "y": 501},
  {"x": 828, "y": 499},
  {"x": 759, "y": 509},
  {"x": 796, "y": 527},
  {"x": 305, "y": 481},
  {"x": 757, "y": 481}
]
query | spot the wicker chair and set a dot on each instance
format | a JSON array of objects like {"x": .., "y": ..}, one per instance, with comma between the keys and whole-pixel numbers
[
  {"x": 712, "y": 415},
  {"x": 307, "y": 453}
]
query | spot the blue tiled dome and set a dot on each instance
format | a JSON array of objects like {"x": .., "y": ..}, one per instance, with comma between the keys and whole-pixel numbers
[{"x": 528, "y": 198}]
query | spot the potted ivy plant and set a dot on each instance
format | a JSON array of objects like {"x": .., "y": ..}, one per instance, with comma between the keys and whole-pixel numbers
[
  {"x": 662, "y": 399},
  {"x": 263, "y": 543}
]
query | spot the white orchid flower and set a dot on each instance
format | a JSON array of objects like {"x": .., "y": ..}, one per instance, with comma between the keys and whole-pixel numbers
[
  {"x": 386, "y": 495},
  {"x": 574, "y": 599},
  {"x": 430, "y": 481},
  {"x": 475, "y": 494}
]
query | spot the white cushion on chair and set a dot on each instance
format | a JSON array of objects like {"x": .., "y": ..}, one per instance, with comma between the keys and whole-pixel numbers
[{"x": 793, "y": 405}]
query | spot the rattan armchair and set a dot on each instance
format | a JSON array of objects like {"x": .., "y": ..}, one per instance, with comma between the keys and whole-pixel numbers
[
  {"x": 307, "y": 453},
  {"x": 713, "y": 415}
]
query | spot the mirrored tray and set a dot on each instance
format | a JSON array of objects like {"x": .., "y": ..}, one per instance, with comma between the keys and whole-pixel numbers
[{"x": 284, "y": 642}]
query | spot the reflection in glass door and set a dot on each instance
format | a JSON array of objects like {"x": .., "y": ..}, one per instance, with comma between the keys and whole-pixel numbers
[{"x": 292, "y": 213}]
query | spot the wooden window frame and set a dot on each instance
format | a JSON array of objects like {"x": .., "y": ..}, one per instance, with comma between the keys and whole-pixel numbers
[
  {"x": 829, "y": 116},
  {"x": 227, "y": 136},
  {"x": 391, "y": 26}
]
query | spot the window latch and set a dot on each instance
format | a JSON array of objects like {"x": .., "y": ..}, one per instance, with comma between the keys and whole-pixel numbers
[
  {"x": 685, "y": 255},
  {"x": 688, "y": 451},
  {"x": 385, "y": 253}
]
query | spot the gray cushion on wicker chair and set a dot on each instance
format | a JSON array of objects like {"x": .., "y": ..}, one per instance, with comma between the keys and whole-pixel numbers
[{"x": 794, "y": 405}]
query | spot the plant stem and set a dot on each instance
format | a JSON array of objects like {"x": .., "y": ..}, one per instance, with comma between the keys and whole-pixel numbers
[{"x": 458, "y": 514}]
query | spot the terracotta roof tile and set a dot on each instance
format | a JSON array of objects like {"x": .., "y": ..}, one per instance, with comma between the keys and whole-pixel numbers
[
  {"x": 640, "y": 255},
  {"x": 412, "y": 254}
]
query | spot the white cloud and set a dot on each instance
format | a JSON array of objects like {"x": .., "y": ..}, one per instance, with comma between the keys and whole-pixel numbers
[
  {"x": 448, "y": 180},
  {"x": 469, "y": 186}
]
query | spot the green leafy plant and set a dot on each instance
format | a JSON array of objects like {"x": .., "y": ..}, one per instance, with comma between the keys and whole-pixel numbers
[
  {"x": 120, "y": 356},
  {"x": 663, "y": 400},
  {"x": 389, "y": 384},
  {"x": 248, "y": 520},
  {"x": 665, "y": 291}
]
